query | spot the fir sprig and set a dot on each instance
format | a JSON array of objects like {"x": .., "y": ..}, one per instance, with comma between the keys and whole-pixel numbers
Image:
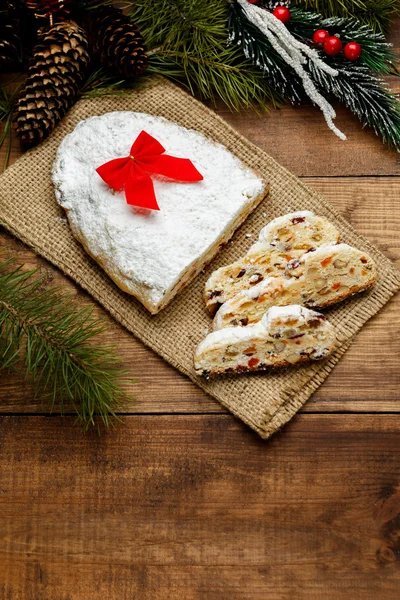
[
  {"x": 377, "y": 54},
  {"x": 376, "y": 14},
  {"x": 367, "y": 97},
  {"x": 47, "y": 334},
  {"x": 356, "y": 85},
  {"x": 259, "y": 51},
  {"x": 186, "y": 45}
]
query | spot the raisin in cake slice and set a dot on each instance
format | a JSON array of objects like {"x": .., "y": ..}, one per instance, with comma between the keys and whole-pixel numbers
[
  {"x": 284, "y": 336},
  {"x": 152, "y": 254},
  {"x": 282, "y": 240},
  {"x": 320, "y": 278}
]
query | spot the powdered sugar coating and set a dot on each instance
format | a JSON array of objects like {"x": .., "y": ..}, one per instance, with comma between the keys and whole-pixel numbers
[
  {"x": 273, "y": 225},
  {"x": 272, "y": 322},
  {"x": 288, "y": 312},
  {"x": 152, "y": 249}
]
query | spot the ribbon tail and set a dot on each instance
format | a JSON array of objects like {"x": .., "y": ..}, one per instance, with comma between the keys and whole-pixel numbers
[
  {"x": 178, "y": 169},
  {"x": 139, "y": 190},
  {"x": 115, "y": 172}
]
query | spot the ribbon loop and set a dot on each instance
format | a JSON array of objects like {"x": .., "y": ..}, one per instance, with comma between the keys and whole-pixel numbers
[
  {"x": 146, "y": 145},
  {"x": 148, "y": 157}
]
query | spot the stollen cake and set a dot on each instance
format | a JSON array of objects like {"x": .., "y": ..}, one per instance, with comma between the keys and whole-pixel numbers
[
  {"x": 318, "y": 279},
  {"x": 152, "y": 254},
  {"x": 282, "y": 240},
  {"x": 284, "y": 336}
]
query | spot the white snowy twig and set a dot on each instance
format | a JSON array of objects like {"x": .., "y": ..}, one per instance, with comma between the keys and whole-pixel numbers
[{"x": 294, "y": 53}]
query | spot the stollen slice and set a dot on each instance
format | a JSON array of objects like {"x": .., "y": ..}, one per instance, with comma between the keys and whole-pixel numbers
[
  {"x": 282, "y": 240},
  {"x": 326, "y": 276},
  {"x": 284, "y": 336}
]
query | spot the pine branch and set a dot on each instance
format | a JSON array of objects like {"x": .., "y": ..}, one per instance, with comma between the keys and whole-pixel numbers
[
  {"x": 376, "y": 55},
  {"x": 235, "y": 82},
  {"x": 376, "y": 14},
  {"x": 259, "y": 51},
  {"x": 356, "y": 86},
  {"x": 46, "y": 335},
  {"x": 367, "y": 97},
  {"x": 100, "y": 83},
  {"x": 187, "y": 42}
]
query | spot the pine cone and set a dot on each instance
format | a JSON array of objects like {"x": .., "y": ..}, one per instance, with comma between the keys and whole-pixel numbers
[
  {"x": 58, "y": 67},
  {"x": 116, "y": 42},
  {"x": 10, "y": 42}
]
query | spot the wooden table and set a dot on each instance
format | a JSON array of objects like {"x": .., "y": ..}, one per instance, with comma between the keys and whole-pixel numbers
[{"x": 185, "y": 502}]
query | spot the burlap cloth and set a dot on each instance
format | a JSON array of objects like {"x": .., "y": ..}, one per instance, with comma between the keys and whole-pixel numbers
[{"x": 264, "y": 401}]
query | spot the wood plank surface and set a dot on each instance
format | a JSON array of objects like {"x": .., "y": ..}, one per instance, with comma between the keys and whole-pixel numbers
[
  {"x": 372, "y": 205},
  {"x": 196, "y": 508},
  {"x": 298, "y": 138},
  {"x": 174, "y": 505}
]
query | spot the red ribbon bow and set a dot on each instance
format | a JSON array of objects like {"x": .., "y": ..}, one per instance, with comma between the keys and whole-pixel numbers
[{"x": 146, "y": 156}]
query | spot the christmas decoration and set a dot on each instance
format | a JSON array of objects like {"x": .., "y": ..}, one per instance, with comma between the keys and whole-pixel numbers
[
  {"x": 282, "y": 13},
  {"x": 294, "y": 53},
  {"x": 45, "y": 336},
  {"x": 132, "y": 172},
  {"x": 187, "y": 43},
  {"x": 333, "y": 45},
  {"x": 320, "y": 36},
  {"x": 116, "y": 42},
  {"x": 377, "y": 16},
  {"x": 10, "y": 42},
  {"x": 352, "y": 51},
  {"x": 57, "y": 69},
  {"x": 357, "y": 83}
]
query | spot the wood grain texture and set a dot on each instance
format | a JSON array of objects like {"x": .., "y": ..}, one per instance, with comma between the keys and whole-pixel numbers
[
  {"x": 198, "y": 508},
  {"x": 372, "y": 205},
  {"x": 298, "y": 138}
]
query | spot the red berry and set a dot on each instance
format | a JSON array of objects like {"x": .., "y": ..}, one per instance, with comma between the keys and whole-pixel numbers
[
  {"x": 252, "y": 1},
  {"x": 333, "y": 45},
  {"x": 320, "y": 36},
  {"x": 352, "y": 51},
  {"x": 282, "y": 13}
]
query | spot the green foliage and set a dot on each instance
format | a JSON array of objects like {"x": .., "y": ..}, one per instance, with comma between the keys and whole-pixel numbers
[
  {"x": 259, "y": 51},
  {"x": 356, "y": 85},
  {"x": 376, "y": 55},
  {"x": 367, "y": 97},
  {"x": 376, "y": 14},
  {"x": 51, "y": 339},
  {"x": 187, "y": 42},
  {"x": 99, "y": 83}
]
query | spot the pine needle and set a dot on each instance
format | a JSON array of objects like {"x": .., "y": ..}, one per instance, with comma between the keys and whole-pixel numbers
[
  {"x": 188, "y": 46},
  {"x": 368, "y": 98},
  {"x": 377, "y": 54},
  {"x": 356, "y": 86},
  {"x": 99, "y": 83},
  {"x": 376, "y": 14},
  {"x": 51, "y": 339}
]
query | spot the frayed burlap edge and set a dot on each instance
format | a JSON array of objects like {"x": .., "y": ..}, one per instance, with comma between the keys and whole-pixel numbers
[{"x": 265, "y": 402}]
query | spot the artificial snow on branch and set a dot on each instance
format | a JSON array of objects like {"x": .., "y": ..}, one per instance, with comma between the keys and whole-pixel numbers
[{"x": 296, "y": 54}]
